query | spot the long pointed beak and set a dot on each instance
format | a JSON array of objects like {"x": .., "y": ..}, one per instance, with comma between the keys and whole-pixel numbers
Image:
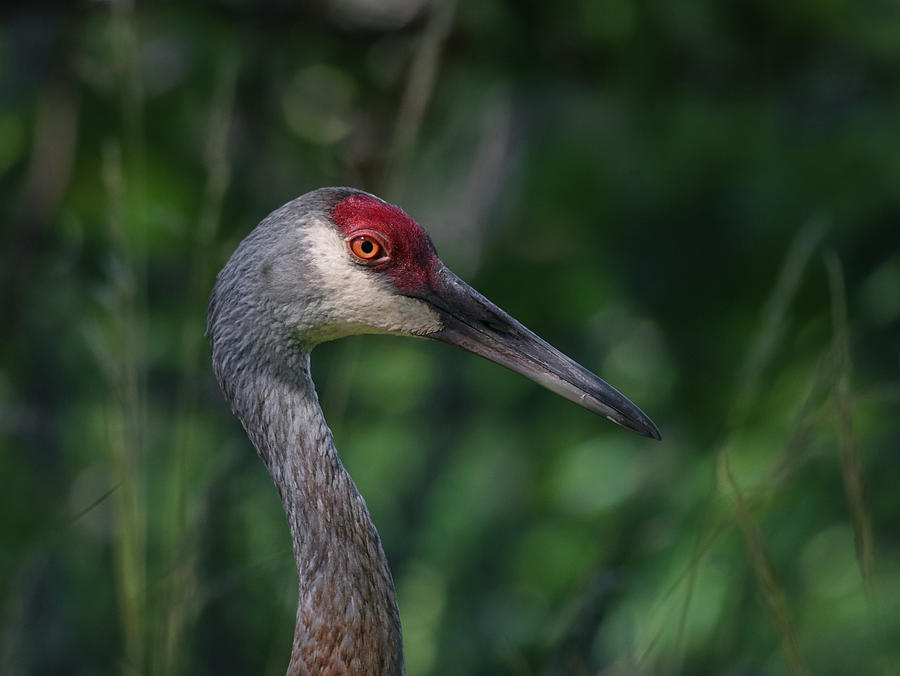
[{"x": 472, "y": 322}]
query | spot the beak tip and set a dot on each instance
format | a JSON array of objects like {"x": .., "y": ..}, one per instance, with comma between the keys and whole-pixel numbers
[{"x": 641, "y": 425}]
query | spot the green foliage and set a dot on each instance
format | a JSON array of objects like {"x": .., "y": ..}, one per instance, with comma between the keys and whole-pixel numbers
[{"x": 697, "y": 200}]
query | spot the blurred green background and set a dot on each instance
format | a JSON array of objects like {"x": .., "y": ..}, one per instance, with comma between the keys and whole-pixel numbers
[{"x": 698, "y": 200}]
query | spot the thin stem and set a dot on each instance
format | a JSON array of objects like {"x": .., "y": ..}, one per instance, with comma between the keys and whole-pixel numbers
[
  {"x": 850, "y": 462},
  {"x": 772, "y": 591},
  {"x": 419, "y": 89}
]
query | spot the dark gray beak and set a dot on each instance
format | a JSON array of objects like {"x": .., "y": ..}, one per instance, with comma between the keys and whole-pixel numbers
[{"x": 472, "y": 322}]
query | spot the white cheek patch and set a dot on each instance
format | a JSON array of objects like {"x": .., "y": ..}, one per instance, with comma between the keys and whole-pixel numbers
[{"x": 349, "y": 299}]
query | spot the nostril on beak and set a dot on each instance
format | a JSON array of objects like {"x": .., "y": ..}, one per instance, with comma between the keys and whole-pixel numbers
[{"x": 495, "y": 327}]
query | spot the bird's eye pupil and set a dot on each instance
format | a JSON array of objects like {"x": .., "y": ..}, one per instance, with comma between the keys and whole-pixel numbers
[{"x": 367, "y": 246}]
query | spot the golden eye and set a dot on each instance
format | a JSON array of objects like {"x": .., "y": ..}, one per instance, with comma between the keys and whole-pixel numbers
[{"x": 366, "y": 248}]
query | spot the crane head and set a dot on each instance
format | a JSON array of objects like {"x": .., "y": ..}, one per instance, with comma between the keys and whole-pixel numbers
[{"x": 339, "y": 261}]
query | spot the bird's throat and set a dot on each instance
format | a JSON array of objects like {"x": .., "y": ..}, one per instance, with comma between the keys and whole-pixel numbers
[{"x": 347, "y": 618}]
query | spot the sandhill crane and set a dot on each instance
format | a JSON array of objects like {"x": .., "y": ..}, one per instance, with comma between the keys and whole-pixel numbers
[{"x": 331, "y": 263}]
